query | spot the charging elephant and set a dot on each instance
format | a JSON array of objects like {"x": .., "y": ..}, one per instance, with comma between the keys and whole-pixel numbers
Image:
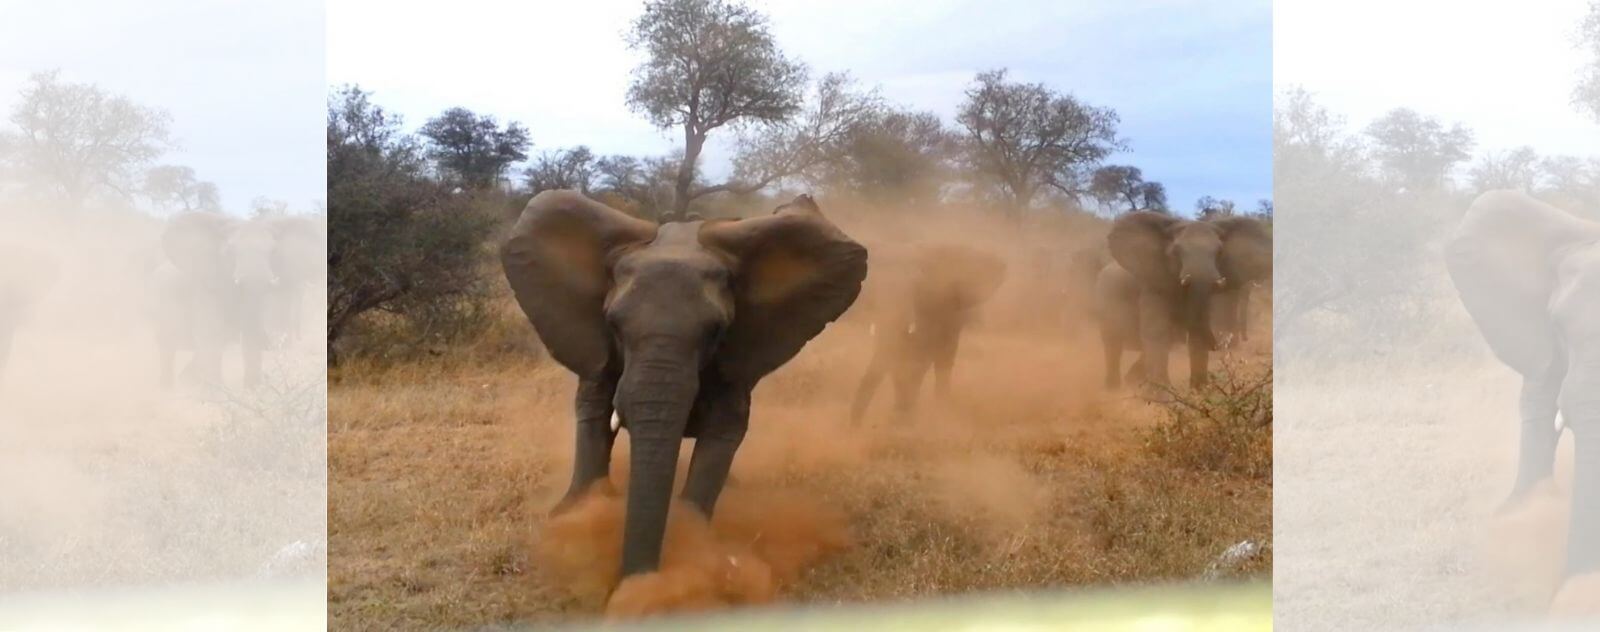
[
  {"x": 299, "y": 260},
  {"x": 1529, "y": 275},
  {"x": 224, "y": 282},
  {"x": 920, "y": 327},
  {"x": 1180, "y": 276},
  {"x": 669, "y": 327},
  {"x": 26, "y": 275}
]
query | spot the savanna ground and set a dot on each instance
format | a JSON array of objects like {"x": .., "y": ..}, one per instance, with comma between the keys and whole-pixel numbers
[
  {"x": 1389, "y": 473},
  {"x": 108, "y": 483},
  {"x": 443, "y": 467}
]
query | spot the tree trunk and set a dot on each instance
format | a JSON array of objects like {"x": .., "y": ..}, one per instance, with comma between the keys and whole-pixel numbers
[{"x": 693, "y": 143}]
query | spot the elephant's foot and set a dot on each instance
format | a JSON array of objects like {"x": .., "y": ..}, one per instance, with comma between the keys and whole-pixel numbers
[
  {"x": 682, "y": 589},
  {"x": 577, "y": 495},
  {"x": 1579, "y": 596},
  {"x": 1518, "y": 497}
]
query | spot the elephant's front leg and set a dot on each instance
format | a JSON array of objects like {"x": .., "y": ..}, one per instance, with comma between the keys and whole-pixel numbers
[
  {"x": 1583, "y": 533},
  {"x": 718, "y": 432},
  {"x": 1155, "y": 334},
  {"x": 592, "y": 455},
  {"x": 1536, "y": 459},
  {"x": 1199, "y": 361}
]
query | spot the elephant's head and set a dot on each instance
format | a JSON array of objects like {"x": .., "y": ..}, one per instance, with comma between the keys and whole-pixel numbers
[
  {"x": 1190, "y": 262},
  {"x": 197, "y": 245},
  {"x": 952, "y": 280},
  {"x": 611, "y": 293},
  {"x": 299, "y": 253}
]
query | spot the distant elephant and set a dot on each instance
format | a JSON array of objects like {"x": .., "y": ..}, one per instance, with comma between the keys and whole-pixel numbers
[
  {"x": 223, "y": 283},
  {"x": 920, "y": 328},
  {"x": 26, "y": 275},
  {"x": 1082, "y": 274},
  {"x": 1529, "y": 275},
  {"x": 669, "y": 327},
  {"x": 299, "y": 260},
  {"x": 1180, "y": 275}
]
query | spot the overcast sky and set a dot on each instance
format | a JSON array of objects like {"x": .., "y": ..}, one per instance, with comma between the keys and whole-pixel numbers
[
  {"x": 244, "y": 81},
  {"x": 1505, "y": 69},
  {"x": 1191, "y": 80}
]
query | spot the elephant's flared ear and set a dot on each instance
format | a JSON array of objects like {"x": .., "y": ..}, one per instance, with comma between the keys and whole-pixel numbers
[
  {"x": 558, "y": 261},
  {"x": 1138, "y": 242},
  {"x": 795, "y": 273},
  {"x": 971, "y": 276},
  {"x": 1502, "y": 260},
  {"x": 1246, "y": 250}
]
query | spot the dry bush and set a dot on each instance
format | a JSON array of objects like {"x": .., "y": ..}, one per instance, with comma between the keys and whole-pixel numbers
[{"x": 1225, "y": 427}]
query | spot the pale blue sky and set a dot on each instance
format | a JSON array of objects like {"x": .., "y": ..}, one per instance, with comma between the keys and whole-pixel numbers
[
  {"x": 243, "y": 80},
  {"x": 1191, "y": 80}
]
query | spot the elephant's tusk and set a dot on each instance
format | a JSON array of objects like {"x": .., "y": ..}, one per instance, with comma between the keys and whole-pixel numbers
[
  {"x": 616, "y": 421},
  {"x": 1560, "y": 423}
]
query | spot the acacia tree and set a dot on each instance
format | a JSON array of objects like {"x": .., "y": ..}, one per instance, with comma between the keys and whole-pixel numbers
[
  {"x": 1118, "y": 185},
  {"x": 708, "y": 64},
  {"x": 1515, "y": 169},
  {"x": 562, "y": 169},
  {"x": 893, "y": 155},
  {"x": 74, "y": 140},
  {"x": 1417, "y": 152},
  {"x": 807, "y": 144},
  {"x": 1026, "y": 137},
  {"x": 176, "y": 188},
  {"x": 1208, "y": 207},
  {"x": 473, "y": 151}
]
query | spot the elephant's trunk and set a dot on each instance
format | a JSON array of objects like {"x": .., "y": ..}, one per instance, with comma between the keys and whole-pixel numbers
[
  {"x": 1197, "y": 320},
  {"x": 654, "y": 397}
]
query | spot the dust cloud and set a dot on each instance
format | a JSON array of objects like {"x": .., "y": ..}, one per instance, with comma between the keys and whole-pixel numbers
[{"x": 109, "y": 481}]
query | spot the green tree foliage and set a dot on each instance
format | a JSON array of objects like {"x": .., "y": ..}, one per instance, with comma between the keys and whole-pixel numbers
[
  {"x": 472, "y": 150},
  {"x": 1025, "y": 137},
  {"x": 1417, "y": 152},
  {"x": 709, "y": 64},
  {"x": 1122, "y": 188},
  {"x": 398, "y": 241}
]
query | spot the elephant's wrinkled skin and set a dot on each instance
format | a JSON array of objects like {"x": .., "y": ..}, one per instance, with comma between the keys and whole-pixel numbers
[
  {"x": 1529, "y": 274},
  {"x": 670, "y": 327},
  {"x": 1176, "y": 280},
  {"x": 920, "y": 327}
]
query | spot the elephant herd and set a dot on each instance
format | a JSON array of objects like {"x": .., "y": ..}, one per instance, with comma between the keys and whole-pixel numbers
[
  {"x": 214, "y": 282},
  {"x": 223, "y": 281},
  {"x": 669, "y": 327}
]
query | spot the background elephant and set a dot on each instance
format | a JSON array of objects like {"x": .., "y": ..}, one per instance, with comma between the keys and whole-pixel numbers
[
  {"x": 1083, "y": 273},
  {"x": 223, "y": 283},
  {"x": 669, "y": 327},
  {"x": 920, "y": 326},
  {"x": 26, "y": 275},
  {"x": 1529, "y": 274},
  {"x": 299, "y": 260},
  {"x": 1186, "y": 272}
]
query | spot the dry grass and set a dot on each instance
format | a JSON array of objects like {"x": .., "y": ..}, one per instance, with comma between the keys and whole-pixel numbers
[
  {"x": 441, "y": 473},
  {"x": 1388, "y": 475}
]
